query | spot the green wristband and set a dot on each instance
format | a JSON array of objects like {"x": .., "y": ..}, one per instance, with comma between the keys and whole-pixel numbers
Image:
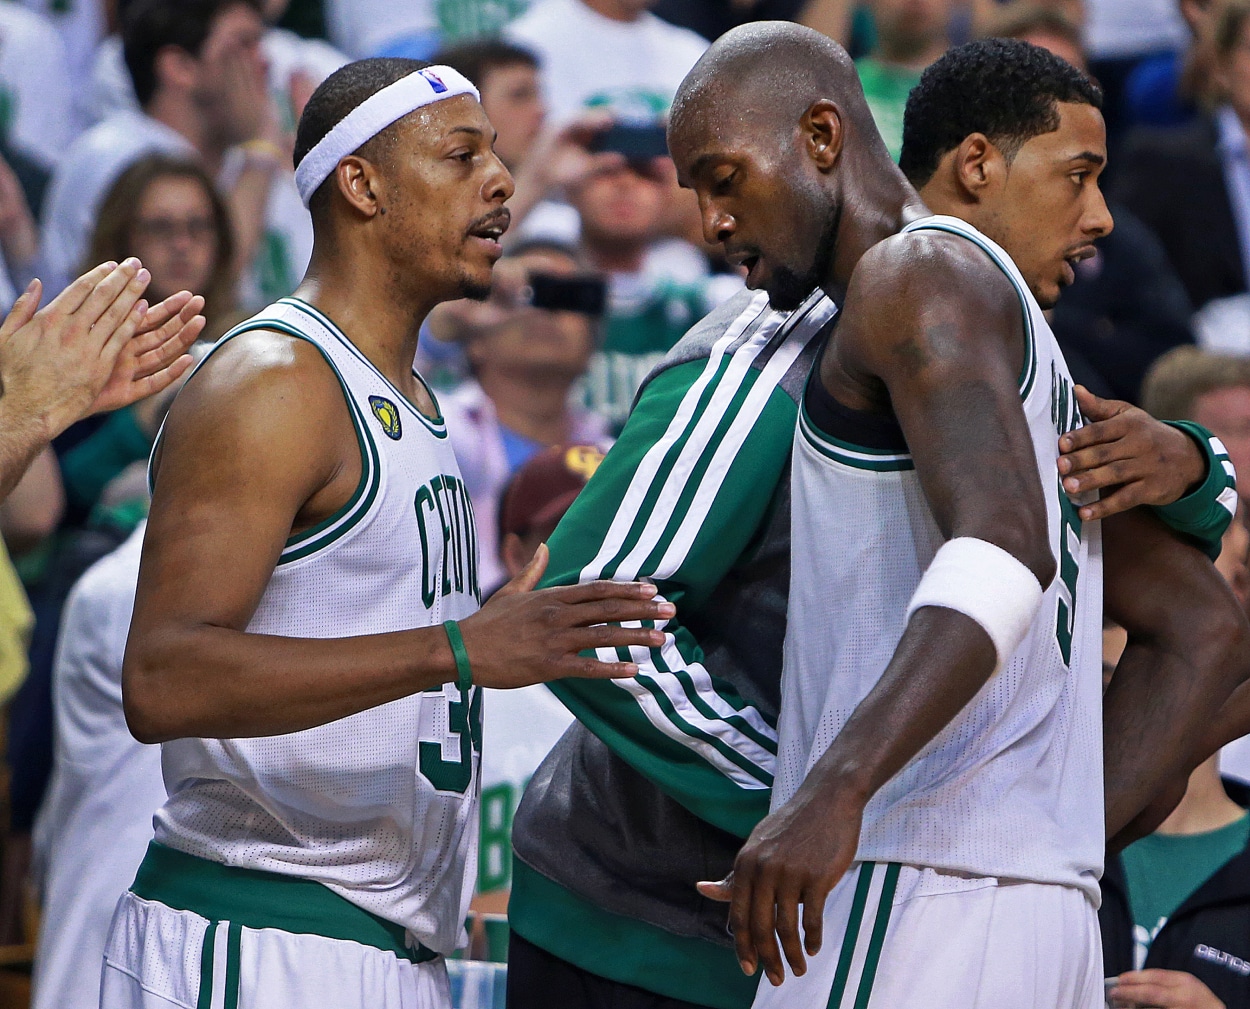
[{"x": 464, "y": 672}]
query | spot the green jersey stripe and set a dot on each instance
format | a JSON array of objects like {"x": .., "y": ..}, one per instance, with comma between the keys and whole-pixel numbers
[
  {"x": 205, "y": 999},
  {"x": 877, "y": 941},
  {"x": 858, "y": 459},
  {"x": 851, "y": 935},
  {"x": 234, "y": 942}
]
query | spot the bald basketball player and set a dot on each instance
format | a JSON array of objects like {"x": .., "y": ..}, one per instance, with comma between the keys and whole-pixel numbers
[
  {"x": 938, "y": 812},
  {"x": 307, "y": 641}
]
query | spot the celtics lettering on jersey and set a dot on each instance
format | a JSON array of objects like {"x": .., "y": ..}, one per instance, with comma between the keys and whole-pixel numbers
[
  {"x": 445, "y": 515},
  {"x": 1066, "y": 416}
]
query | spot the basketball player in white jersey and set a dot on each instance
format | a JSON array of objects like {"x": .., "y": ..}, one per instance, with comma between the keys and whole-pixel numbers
[
  {"x": 306, "y": 640},
  {"x": 940, "y": 748}
]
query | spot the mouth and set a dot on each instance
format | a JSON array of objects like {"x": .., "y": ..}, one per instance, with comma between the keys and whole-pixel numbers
[
  {"x": 489, "y": 230},
  {"x": 1071, "y": 260},
  {"x": 750, "y": 262}
]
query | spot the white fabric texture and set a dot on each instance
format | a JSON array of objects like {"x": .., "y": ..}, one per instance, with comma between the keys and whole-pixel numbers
[
  {"x": 956, "y": 942},
  {"x": 380, "y": 806},
  {"x": 153, "y": 961},
  {"x": 96, "y": 821},
  {"x": 986, "y": 584},
  {"x": 590, "y": 59},
  {"x": 372, "y": 116},
  {"x": 1012, "y": 786},
  {"x": 36, "y": 83},
  {"x": 81, "y": 26}
]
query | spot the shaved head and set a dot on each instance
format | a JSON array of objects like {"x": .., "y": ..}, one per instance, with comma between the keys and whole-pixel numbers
[{"x": 772, "y": 131}]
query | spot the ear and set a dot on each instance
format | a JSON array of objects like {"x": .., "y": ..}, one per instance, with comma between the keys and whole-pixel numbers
[
  {"x": 175, "y": 67},
  {"x": 360, "y": 184},
  {"x": 977, "y": 165},
  {"x": 823, "y": 133}
]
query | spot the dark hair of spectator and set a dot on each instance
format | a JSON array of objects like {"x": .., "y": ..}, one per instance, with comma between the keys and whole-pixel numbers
[
  {"x": 148, "y": 26},
  {"x": 1016, "y": 20},
  {"x": 1006, "y": 89},
  {"x": 113, "y": 239},
  {"x": 1177, "y": 379},
  {"x": 1229, "y": 27},
  {"x": 338, "y": 95},
  {"x": 478, "y": 58}
]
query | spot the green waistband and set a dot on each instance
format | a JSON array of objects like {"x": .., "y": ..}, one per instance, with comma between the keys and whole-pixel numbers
[{"x": 259, "y": 899}]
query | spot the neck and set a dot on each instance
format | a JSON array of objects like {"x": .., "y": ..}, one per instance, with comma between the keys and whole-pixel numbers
[
  {"x": 363, "y": 297},
  {"x": 910, "y": 54},
  {"x": 179, "y": 112},
  {"x": 612, "y": 10},
  {"x": 1205, "y": 807},
  {"x": 531, "y": 402},
  {"x": 878, "y": 203},
  {"x": 615, "y": 256}
]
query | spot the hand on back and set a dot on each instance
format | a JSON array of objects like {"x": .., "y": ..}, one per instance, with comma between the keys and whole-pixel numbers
[
  {"x": 523, "y": 635},
  {"x": 1121, "y": 446}
]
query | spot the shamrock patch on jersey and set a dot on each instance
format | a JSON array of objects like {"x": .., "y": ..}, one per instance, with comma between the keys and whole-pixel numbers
[{"x": 388, "y": 416}]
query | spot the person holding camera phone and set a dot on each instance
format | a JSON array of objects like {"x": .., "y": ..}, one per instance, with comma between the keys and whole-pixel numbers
[{"x": 526, "y": 347}]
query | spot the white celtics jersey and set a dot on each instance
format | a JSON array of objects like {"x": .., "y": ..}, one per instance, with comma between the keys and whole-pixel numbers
[
  {"x": 382, "y": 806},
  {"x": 1012, "y": 787}
]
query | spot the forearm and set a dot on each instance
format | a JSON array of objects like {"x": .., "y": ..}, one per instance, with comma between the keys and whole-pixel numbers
[
  {"x": 942, "y": 661},
  {"x": 214, "y": 682},
  {"x": 248, "y": 201},
  {"x": 23, "y": 435}
]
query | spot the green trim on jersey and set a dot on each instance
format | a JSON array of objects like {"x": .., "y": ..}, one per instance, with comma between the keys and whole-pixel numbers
[
  {"x": 1028, "y": 370},
  {"x": 624, "y": 949},
  {"x": 1204, "y": 514},
  {"x": 849, "y": 454},
  {"x": 679, "y": 499},
  {"x": 864, "y": 906},
  {"x": 258, "y": 899},
  {"x": 436, "y": 425}
]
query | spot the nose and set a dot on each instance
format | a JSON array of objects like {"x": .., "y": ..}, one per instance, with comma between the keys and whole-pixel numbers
[
  {"x": 718, "y": 224},
  {"x": 499, "y": 186},
  {"x": 1098, "y": 221}
]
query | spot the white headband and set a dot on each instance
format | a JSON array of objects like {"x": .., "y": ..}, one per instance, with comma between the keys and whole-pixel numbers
[{"x": 372, "y": 116}]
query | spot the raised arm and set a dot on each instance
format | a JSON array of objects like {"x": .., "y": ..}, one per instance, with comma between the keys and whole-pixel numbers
[
  {"x": 259, "y": 445},
  {"x": 931, "y": 328}
]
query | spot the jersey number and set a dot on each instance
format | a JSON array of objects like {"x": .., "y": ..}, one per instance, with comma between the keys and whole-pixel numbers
[
  {"x": 464, "y": 723},
  {"x": 1069, "y": 568}
]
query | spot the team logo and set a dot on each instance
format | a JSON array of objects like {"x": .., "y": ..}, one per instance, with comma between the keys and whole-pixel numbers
[
  {"x": 388, "y": 417},
  {"x": 435, "y": 81}
]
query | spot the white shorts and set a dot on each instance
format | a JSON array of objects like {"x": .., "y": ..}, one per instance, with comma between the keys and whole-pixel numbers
[
  {"x": 902, "y": 937},
  {"x": 158, "y": 957}
]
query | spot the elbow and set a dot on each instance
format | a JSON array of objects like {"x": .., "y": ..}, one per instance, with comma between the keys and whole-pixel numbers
[{"x": 146, "y": 717}]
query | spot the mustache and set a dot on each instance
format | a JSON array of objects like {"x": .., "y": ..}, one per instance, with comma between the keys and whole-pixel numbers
[{"x": 501, "y": 218}]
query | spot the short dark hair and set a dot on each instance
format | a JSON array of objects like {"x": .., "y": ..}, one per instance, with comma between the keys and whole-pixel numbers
[
  {"x": 1004, "y": 88},
  {"x": 1019, "y": 18},
  {"x": 339, "y": 94},
  {"x": 478, "y": 58},
  {"x": 148, "y": 26}
]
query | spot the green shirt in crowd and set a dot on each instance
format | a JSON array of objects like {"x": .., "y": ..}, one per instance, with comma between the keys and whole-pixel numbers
[
  {"x": 886, "y": 87},
  {"x": 1162, "y": 870}
]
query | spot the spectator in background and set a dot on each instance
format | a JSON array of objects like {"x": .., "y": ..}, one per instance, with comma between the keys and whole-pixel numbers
[
  {"x": 199, "y": 75},
  {"x": 95, "y": 825},
  {"x": 1175, "y": 915},
  {"x": 524, "y": 361},
  {"x": 81, "y": 24},
  {"x": 1169, "y": 89},
  {"x": 362, "y": 28},
  {"x": 1211, "y": 389},
  {"x": 911, "y": 34},
  {"x": 1126, "y": 306},
  {"x": 523, "y": 724},
  {"x": 1191, "y": 184},
  {"x": 511, "y": 89},
  {"x": 36, "y": 101},
  {"x": 165, "y": 211},
  {"x": 606, "y": 53}
]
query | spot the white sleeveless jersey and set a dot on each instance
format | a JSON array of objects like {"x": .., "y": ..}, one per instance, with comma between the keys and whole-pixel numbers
[
  {"x": 1012, "y": 787},
  {"x": 382, "y": 806}
]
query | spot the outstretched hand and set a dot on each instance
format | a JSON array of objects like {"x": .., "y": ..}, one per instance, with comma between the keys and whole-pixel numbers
[
  {"x": 525, "y": 635},
  {"x": 1121, "y": 448},
  {"x": 796, "y": 855}
]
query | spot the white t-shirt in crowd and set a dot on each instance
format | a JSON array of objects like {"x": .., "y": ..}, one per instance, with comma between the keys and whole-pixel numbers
[
  {"x": 94, "y": 162},
  {"x": 96, "y": 820},
  {"x": 364, "y": 27},
  {"x": 1122, "y": 28},
  {"x": 36, "y": 97},
  {"x": 81, "y": 26},
  {"x": 590, "y": 59}
]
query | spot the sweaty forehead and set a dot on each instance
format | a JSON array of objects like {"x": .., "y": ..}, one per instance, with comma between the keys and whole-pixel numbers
[
  {"x": 721, "y": 126},
  {"x": 431, "y": 125}
]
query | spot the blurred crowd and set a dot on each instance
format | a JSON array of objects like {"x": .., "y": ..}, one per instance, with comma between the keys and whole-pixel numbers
[{"x": 163, "y": 130}]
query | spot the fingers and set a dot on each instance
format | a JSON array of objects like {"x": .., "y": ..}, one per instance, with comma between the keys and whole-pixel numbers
[
  {"x": 615, "y": 611},
  {"x": 593, "y": 669},
  {"x": 582, "y": 639},
  {"x": 160, "y": 314},
  {"x": 1095, "y": 407},
  {"x": 118, "y": 315},
  {"x": 181, "y": 335},
  {"x": 1097, "y": 453},
  {"x": 1120, "y": 471},
  {"x": 162, "y": 380},
  {"x": 23, "y": 309},
  {"x": 1122, "y": 500},
  {"x": 1104, "y": 432},
  {"x": 740, "y": 920},
  {"x": 763, "y": 925},
  {"x": 813, "y": 922},
  {"x": 722, "y": 890},
  {"x": 591, "y": 591},
  {"x": 71, "y": 299},
  {"x": 530, "y": 575},
  {"x": 788, "y": 929}
]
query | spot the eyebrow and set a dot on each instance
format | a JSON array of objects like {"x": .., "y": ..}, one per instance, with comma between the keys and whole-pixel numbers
[
  {"x": 475, "y": 131},
  {"x": 1097, "y": 159}
]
